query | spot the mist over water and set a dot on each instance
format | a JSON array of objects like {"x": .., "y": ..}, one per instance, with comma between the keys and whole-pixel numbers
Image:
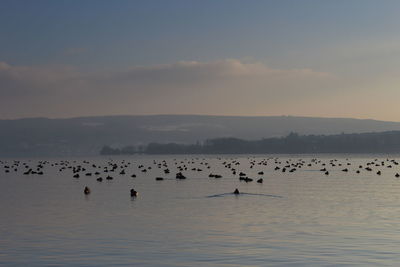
[{"x": 300, "y": 218}]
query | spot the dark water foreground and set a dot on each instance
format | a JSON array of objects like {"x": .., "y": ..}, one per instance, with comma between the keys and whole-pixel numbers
[{"x": 300, "y": 218}]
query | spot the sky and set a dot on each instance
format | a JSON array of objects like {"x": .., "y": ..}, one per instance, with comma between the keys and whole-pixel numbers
[{"x": 251, "y": 58}]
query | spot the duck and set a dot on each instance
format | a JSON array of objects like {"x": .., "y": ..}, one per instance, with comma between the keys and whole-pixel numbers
[
  {"x": 86, "y": 190},
  {"x": 134, "y": 193}
]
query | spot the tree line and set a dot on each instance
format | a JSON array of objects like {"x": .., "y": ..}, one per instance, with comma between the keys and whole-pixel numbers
[{"x": 380, "y": 142}]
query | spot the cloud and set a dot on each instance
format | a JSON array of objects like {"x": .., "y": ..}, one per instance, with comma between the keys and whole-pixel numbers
[
  {"x": 189, "y": 71},
  {"x": 219, "y": 87}
]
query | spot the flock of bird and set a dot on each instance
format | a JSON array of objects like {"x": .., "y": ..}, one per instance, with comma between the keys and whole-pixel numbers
[{"x": 182, "y": 168}]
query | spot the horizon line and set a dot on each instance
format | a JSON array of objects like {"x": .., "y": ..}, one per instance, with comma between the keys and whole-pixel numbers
[{"x": 194, "y": 115}]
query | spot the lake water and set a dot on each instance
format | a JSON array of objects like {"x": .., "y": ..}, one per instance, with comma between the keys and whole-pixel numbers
[{"x": 300, "y": 218}]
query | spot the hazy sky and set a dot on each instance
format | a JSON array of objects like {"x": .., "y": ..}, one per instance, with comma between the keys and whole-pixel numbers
[{"x": 308, "y": 58}]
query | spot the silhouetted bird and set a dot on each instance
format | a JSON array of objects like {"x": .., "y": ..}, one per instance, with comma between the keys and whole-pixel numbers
[
  {"x": 134, "y": 193},
  {"x": 86, "y": 190}
]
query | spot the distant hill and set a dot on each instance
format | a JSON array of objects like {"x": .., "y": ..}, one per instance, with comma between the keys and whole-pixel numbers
[{"x": 87, "y": 135}]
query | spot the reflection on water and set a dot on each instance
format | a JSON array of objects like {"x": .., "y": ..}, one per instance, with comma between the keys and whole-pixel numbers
[
  {"x": 300, "y": 218},
  {"x": 241, "y": 194}
]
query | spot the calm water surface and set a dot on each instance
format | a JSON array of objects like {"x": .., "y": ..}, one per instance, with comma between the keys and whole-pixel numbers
[{"x": 303, "y": 218}]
